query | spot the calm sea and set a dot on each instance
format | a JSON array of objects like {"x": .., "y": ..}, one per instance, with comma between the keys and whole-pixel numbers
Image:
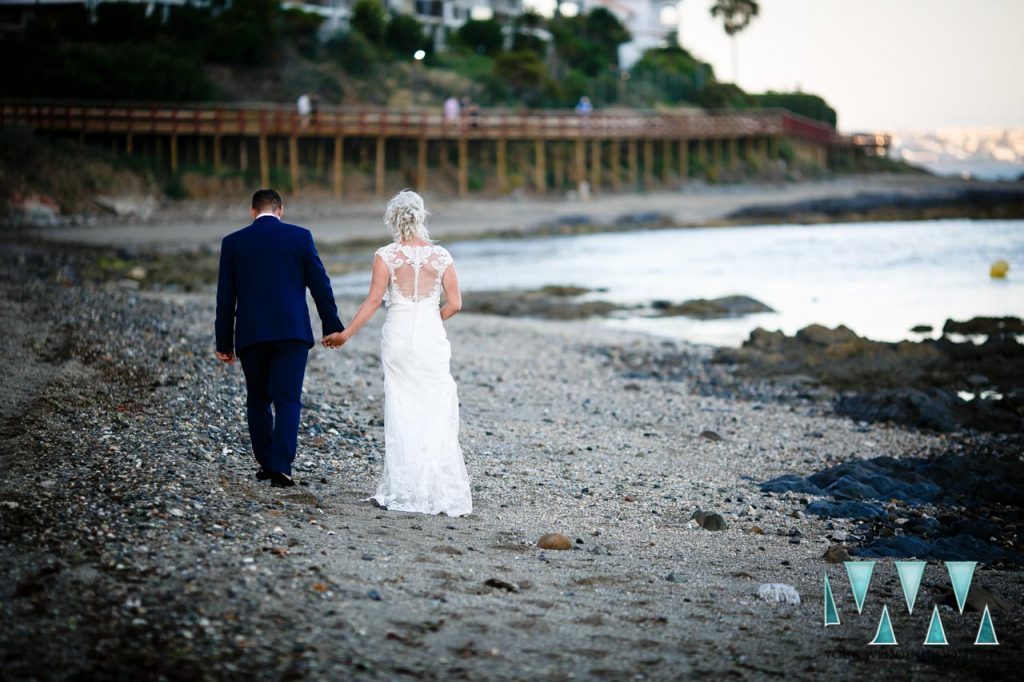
[{"x": 879, "y": 279}]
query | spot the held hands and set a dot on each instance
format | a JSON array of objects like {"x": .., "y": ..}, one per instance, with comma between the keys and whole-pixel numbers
[
  {"x": 335, "y": 340},
  {"x": 226, "y": 358}
]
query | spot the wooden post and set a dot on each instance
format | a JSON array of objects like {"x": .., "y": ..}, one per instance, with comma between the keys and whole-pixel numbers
[
  {"x": 339, "y": 166},
  {"x": 648, "y": 165},
  {"x": 216, "y": 153},
  {"x": 243, "y": 154},
  {"x": 280, "y": 154},
  {"x": 581, "y": 163},
  {"x": 463, "y": 167},
  {"x": 631, "y": 152},
  {"x": 421, "y": 165},
  {"x": 174, "y": 152},
  {"x": 293, "y": 160},
  {"x": 666, "y": 160},
  {"x": 500, "y": 153},
  {"x": 595, "y": 165},
  {"x": 684, "y": 159},
  {"x": 321, "y": 157},
  {"x": 264, "y": 162},
  {"x": 558, "y": 165},
  {"x": 616, "y": 164},
  {"x": 380, "y": 167},
  {"x": 734, "y": 152},
  {"x": 539, "y": 171}
]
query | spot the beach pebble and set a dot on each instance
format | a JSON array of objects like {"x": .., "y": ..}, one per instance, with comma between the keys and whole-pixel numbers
[
  {"x": 554, "y": 541},
  {"x": 779, "y": 592},
  {"x": 836, "y": 554},
  {"x": 707, "y": 434},
  {"x": 500, "y": 584},
  {"x": 709, "y": 520}
]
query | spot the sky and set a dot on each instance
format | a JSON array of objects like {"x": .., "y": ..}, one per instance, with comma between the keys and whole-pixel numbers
[{"x": 888, "y": 65}]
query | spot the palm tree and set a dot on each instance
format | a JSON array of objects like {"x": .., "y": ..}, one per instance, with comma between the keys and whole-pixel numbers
[{"x": 736, "y": 15}]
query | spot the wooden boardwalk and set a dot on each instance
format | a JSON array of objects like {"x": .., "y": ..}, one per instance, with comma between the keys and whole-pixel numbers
[{"x": 603, "y": 148}]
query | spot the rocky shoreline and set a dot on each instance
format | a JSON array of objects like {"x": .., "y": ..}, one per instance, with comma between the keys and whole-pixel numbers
[{"x": 137, "y": 544}]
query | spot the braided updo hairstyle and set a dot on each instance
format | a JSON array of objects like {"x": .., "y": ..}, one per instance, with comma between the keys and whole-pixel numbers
[{"x": 407, "y": 216}]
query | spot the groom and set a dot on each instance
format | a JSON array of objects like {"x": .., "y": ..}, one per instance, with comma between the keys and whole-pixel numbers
[{"x": 262, "y": 317}]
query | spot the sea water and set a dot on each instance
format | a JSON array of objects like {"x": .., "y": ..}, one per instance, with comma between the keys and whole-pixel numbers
[{"x": 880, "y": 279}]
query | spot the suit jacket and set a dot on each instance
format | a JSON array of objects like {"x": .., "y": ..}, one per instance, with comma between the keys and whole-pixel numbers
[{"x": 265, "y": 270}]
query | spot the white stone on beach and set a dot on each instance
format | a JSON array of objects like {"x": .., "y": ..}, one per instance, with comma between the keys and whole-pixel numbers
[{"x": 779, "y": 592}]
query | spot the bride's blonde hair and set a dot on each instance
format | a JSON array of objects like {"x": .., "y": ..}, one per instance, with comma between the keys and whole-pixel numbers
[{"x": 407, "y": 216}]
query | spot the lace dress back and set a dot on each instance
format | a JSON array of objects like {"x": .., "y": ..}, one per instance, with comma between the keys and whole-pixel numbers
[{"x": 424, "y": 470}]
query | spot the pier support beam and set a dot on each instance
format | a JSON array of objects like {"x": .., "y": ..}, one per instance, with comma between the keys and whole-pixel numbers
[
  {"x": 666, "y": 160},
  {"x": 648, "y": 165},
  {"x": 595, "y": 165},
  {"x": 463, "y": 167},
  {"x": 264, "y": 162},
  {"x": 539, "y": 171},
  {"x": 174, "y": 152},
  {"x": 734, "y": 153},
  {"x": 339, "y": 166},
  {"x": 632, "y": 161},
  {"x": 421, "y": 165},
  {"x": 684, "y": 160},
  {"x": 616, "y": 164},
  {"x": 216, "y": 153},
  {"x": 581, "y": 163},
  {"x": 502, "y": 163},
  {"x": 379, "y": 172},
  {"x": 293, "y": 160}
]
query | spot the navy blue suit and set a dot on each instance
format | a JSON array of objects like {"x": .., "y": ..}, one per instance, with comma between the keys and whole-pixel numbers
[{"x": 262, "y": 317}]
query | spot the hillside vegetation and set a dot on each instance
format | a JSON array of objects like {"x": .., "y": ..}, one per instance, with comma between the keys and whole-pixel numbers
[{"x": 256, "y": 51}]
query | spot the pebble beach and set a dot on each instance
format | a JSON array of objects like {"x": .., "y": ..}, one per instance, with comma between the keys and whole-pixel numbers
[{"x": 138, "y": 545}]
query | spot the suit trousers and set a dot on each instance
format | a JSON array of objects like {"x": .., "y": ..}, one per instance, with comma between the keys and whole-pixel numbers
[{"x": 274, "y": 371}]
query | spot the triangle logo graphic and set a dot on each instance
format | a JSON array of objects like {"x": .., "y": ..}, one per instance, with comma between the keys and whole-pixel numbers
[
  {"x": 936, "y": 633},
  {"x": 884, "y": 636},
  {"x": 986, "y": 631},
  {"x": 960, "y": 574},
  {"x": 859, "y": 573},
  {"x": 831, "y": 613},
  {"x": 910, "y": 573}
]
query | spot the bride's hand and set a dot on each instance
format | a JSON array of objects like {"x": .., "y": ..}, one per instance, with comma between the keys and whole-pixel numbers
[{"x": 335, "y": 340}]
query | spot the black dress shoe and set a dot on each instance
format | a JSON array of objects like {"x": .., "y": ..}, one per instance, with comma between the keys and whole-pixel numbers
[
  {"x": 262, "y": 474},
  {"x": 279, "y": 480}
]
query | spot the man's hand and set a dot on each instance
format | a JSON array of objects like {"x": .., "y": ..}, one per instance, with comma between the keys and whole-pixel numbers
[
  {"x": 226, "y": 358},
  {"x": 335, "y": 340}
]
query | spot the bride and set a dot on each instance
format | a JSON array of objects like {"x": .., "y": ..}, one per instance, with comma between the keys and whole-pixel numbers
[{"x": 423, "y": 466}]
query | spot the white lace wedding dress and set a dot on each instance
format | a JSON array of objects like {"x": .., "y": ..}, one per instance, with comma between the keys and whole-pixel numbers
[{"x": 423, "y": 466}]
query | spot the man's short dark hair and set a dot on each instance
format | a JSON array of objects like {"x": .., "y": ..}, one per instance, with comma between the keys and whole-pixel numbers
[{"x": 266, "y": 200}]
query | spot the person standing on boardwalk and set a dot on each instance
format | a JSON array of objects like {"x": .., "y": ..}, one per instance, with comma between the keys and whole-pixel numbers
[{"x": 263, "y": 319}]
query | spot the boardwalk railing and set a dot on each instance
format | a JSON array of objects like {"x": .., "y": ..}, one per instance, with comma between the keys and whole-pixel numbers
[
  {"x": 560, "y": 139},
  {"x": 272, "y": 119}
]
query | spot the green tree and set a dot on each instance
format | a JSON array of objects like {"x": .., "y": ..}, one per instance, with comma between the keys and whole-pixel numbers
[
  {"x": 482, "y": 37},
  {"x": 523, "y": 75},
  {"x": 736, "y": 16},
  {"x": 805, "y": 104},
  {"x": 404, "y": 35},
  {"x": 370, "y": 19}
]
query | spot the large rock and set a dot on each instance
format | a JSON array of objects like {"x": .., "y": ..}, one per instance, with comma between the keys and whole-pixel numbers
[
  {"x": 985, "y": 325},
  {"x": 704, "y": 308}
]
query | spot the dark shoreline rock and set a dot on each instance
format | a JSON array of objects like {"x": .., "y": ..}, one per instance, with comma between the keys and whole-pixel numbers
[
  {"x": 911, "y": 383},
  {"x": 949, "y": 507},
  {"x": 968, "y": 201},
  {"x": 706, "y": 309}
]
